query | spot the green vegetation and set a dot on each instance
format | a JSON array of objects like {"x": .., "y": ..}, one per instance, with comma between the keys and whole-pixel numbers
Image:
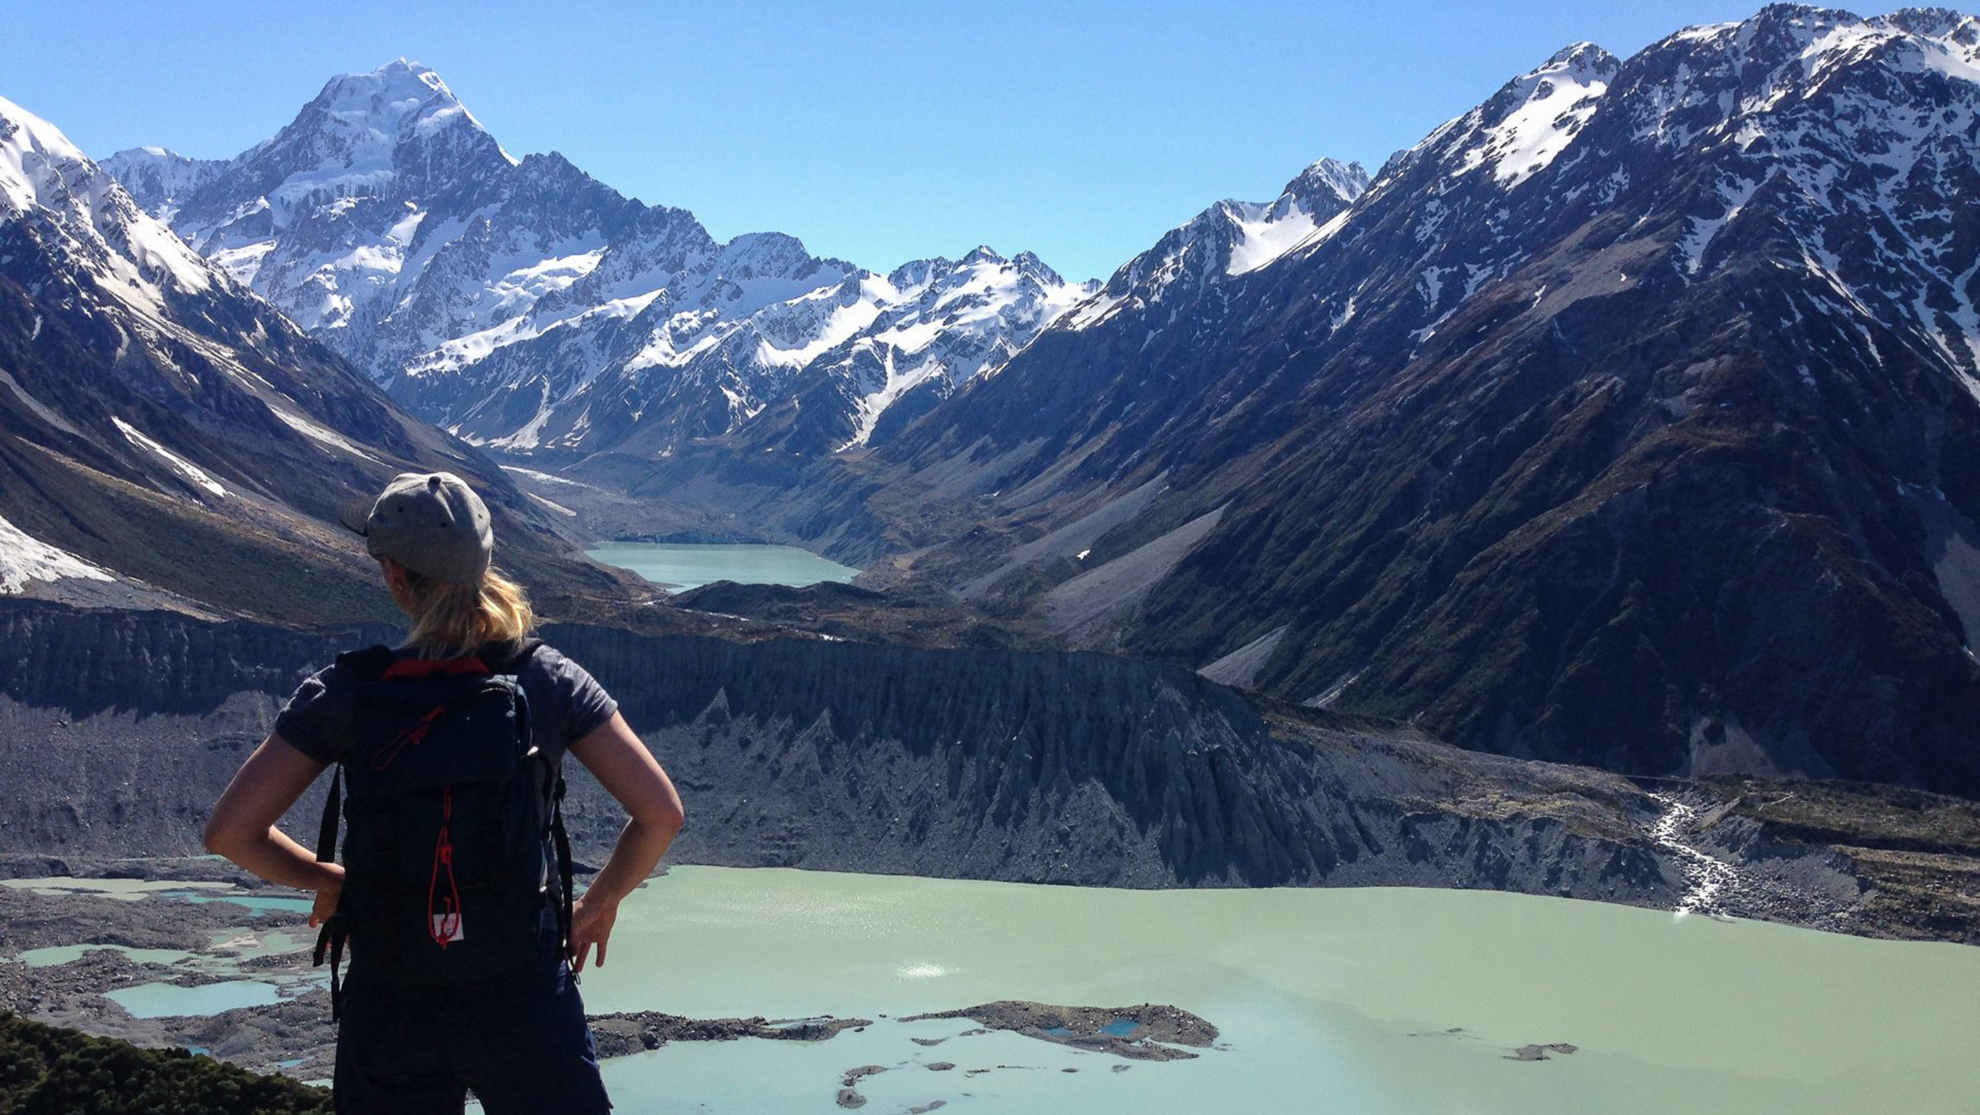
[{"x": 45, "y": 1070}]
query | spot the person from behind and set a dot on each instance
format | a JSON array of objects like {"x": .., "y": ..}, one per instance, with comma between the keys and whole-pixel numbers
[{"x": 454, "y": 898}]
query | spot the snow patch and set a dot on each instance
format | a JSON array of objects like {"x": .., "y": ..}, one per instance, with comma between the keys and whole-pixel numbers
[
  {"x": 321, "y": 433},
  {"x": 1262, "y": 239},
  {"x": 24, "y": 558},
  {"x": 191, "y": 471},
  {"x": 1704, "y": 229},
  {"x": 553, "y": 505},
  {"x": 1559, "y": 99}
]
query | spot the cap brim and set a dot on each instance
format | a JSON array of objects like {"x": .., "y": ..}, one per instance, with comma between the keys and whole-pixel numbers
[{"x": 355, "y": 515}]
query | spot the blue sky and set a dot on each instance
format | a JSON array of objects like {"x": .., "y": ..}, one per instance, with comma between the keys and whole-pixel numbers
[{"x": 877, "y": 132}]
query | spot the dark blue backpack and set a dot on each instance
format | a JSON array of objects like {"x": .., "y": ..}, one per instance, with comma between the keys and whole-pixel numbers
[{"x": 447, "y": 817}]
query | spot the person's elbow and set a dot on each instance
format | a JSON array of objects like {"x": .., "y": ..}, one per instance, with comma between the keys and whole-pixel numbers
[
  {"x": 223, "y": 837},
  {"x": 215, "y": 837},
  {"x": 665, "y": 815},
  {"x": 672, "y": 816}
]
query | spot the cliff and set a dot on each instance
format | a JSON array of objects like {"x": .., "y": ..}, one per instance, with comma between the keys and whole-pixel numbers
[{"x": 975, "y": 763}]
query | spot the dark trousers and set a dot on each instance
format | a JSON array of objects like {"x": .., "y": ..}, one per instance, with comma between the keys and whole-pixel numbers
[{"x": 519, "y": 1040}]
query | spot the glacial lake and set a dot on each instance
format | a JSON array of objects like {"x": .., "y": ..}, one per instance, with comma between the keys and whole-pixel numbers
[
  {"x": 160, "y": 1000},
  {"x": 682, "y": 566},
  {"x": 1366, "y": 1000}
]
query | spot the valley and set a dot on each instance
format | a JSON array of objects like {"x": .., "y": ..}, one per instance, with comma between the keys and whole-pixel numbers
[{"x": 1513, "y": 604}]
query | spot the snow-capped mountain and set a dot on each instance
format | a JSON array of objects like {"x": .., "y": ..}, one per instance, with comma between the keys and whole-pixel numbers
[
  {"x": 166, "y": 437},
  {"x": 640, "y": 375},
  {"x": 1229, "y": 239},
  {"x": 1630, "y": 417},
  {"x": 157, "y": 179},
  {"x": 526, "y": 306},
  {"x": 50, "y": 189},
  {"x": 936, "y": 325},
  {"x": 384, "y": 219}
]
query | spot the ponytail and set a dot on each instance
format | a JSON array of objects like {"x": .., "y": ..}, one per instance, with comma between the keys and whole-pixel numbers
[{"x": 451, "y": 620}]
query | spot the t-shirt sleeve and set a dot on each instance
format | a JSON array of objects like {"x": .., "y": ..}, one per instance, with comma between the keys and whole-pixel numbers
[
  {"x": 317, "y": 719},
  {"x": 590, "y": 705}
]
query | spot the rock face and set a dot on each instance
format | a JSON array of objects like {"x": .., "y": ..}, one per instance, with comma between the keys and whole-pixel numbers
[
  {"x": 1064, "y": 768},
  {"x": 1630, "y": 418},
  {"x": 167, "y": 438},
  {"x": 524, "y": 305}
]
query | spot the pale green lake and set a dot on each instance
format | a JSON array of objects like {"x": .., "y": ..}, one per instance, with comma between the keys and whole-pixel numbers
[
  {"x": 128, "y": 889},
  {"x": 1328, "y": 1000},
  {"x": 159, "y": 1000},
  {"x": 255, "y": 901},
  {"x": 682, "y": 566},
  {"x": 63, "y": 954}
]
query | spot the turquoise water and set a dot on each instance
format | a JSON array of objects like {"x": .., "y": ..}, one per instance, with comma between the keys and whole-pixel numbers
[
  {"x": 1367, "y": 1000},
  {"x": 680, "y": 566},
  {"x": 252, "y": 901},
  {"x": 135, "y": 889},
  {"x": 159, "y": 1000},
  {"x": 63, "y": 954},
  {"x": 130, "y": 889},
  {"x": 1370, "y": 1000}
]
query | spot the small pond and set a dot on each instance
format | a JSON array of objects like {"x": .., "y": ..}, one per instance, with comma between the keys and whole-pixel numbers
[{"x": 159, "y": 1000}]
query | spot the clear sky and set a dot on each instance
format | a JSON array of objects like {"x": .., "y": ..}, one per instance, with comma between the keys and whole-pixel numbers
[{"x": 876, "y": 132}]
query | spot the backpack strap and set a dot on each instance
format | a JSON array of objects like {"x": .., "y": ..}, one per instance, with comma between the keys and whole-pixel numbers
[
  {"x": 566, "y": 904},
  {"x": 559, "y": 836},
  {"x": 335, "y": 929},
  {"x": 364, "y": 665}
]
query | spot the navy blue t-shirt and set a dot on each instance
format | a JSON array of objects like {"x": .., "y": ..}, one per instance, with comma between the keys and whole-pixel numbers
[{"x": 565, "y": 704}]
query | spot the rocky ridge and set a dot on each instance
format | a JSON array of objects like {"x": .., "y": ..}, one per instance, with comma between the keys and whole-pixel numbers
[
  {"x": 168, "y": 439},
  {"x": 1629, "y": 419}
]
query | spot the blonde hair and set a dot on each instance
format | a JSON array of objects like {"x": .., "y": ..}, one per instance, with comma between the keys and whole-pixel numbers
[{"x": 451, "y": 620}]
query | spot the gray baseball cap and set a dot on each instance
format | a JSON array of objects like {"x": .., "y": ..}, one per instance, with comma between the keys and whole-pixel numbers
[{"x": 429, "y": 522}]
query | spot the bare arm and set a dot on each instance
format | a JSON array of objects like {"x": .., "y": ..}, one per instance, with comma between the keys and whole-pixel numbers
[
  {"x": 242, "y": 825},
  {"x": 628, "y": 771}
]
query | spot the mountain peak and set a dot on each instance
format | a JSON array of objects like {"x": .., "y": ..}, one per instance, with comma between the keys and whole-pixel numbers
[
  {"x": 918, "y": 272},
  {"x": 158, "y": 178},
  {"x": 1937, "y": 23},
  {"x": 983, "y": 253},
  {"x": 38, "y": 164},
  {"x": 1533, "y": 117},
  {"x": 1029, "y": 263},
  {"x": 1584, "y": 57},
  {"x": 388, "y": 98},
  {"x": 1328, "y": 178},
  {"x": 22, "y": 130},
  {"x": 45, "y": 177},
  {"x": 401, "y": 73},
  {"x": 397, "y": 129}
]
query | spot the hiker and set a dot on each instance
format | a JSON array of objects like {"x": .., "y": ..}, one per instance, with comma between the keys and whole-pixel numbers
[{"x": 464, "y": 937}]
